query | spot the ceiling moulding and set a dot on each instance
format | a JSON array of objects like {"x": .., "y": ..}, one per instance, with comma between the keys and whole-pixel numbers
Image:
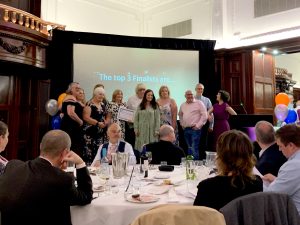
[{"x": 141, "y": 6}]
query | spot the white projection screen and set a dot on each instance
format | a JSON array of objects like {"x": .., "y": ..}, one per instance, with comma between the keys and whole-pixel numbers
[{"x": 123, "y": 68}]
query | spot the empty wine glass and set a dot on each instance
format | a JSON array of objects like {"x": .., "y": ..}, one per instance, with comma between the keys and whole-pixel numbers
[{"x": 149, "y": 156}]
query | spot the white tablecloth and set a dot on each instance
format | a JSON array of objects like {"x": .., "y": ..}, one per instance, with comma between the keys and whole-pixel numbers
[{"x": 113, "y": 209}]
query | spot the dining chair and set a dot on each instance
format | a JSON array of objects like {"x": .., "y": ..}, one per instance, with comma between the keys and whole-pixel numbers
[
  {"x": 261, "y": 208},
  {"x": 180, "y": 215}
]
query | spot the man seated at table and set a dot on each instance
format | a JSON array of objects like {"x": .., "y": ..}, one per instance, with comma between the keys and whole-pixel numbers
[
  {"x": 288, "y": 179},
  {"x": 270, "y": 159},
  {"x": 115, "y": 144},
  {"x": 164, "y": 149},
  {"x": 39, "y": 191}
]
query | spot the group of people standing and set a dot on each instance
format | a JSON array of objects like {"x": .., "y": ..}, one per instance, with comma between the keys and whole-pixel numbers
[{"x": 87, "y": 122}]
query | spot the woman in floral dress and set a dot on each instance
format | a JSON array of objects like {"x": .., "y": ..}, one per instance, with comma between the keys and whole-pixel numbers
[
  {"x": 112, "y": 109},
  {"x": 168, "y": 109},
  {"x": 94, "y": 130}
]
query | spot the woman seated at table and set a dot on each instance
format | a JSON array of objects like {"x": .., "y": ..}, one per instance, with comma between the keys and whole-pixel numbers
[{"x": 235, "y": 162}]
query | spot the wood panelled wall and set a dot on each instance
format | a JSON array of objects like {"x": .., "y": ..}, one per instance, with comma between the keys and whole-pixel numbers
[
  {"x": 22, "y": 108},
  {"x": 24, "y": 84},
  {"x": 264, "y": 83},
  {"x": 249, "y": 78}
]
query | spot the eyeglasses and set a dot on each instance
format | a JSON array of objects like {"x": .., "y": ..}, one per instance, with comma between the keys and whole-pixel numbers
[{"x": 142, "y": 89}]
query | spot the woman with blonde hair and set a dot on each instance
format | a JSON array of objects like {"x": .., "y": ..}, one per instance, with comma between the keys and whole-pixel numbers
[
  {"x": 94, "y": 130},
  {"x": 235, "y": 162},
  {"x": 112, "y": 109},
  {"x": 168, "y": 107}
]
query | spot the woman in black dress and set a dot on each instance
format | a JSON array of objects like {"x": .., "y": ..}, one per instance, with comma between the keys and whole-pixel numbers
[{"x": 72, "y": 117}]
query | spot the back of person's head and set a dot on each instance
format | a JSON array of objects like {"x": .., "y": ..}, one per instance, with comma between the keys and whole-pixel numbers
[
  {"x": 225, "y": 96},
  {"x": 3, "y": 128},
  {"x": 165, "y": 130},
  {"x": 289, "y": 133},
  {"x": 264, "y": 132},
  {"x": 54, "y": 142},
  {"x": 235, "y": 156}
]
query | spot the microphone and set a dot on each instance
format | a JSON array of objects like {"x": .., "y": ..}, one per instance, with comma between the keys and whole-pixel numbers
[{"x": 243, "y": 107}]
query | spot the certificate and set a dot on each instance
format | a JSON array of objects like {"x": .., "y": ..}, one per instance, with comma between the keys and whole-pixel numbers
[{"x": 125, "y": 114}]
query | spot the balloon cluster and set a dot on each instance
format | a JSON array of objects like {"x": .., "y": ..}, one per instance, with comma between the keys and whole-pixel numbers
[
  {"x": 52, "y": 106},
  {"x": 281, "y": 110}
]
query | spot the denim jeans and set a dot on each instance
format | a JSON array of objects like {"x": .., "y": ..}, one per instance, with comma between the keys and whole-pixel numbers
[{"x": 192, "y": 139}]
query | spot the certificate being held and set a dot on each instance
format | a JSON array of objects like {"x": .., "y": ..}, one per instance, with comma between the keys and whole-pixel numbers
[{"x": 125, "y": 114}]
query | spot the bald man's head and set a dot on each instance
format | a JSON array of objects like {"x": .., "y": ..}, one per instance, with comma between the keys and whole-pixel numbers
[{"x": 166, "y": 133}]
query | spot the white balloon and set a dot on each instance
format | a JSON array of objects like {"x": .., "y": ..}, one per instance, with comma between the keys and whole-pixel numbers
[{"x": 51, "y": 107}]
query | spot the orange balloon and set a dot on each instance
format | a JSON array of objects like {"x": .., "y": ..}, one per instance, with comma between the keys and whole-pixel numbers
[
  {"x": 61, "y": 98},
  {"x": 282, "y": 98}
]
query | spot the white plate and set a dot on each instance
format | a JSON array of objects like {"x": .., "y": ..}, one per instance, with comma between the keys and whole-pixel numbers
[
  {"x": 143, "y": 199},
  {"x": 161, "y": 176},
  {"x": 159, "y": 190}
]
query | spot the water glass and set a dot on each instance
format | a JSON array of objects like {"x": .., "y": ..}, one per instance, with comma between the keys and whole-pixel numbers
[
  {"x": 149, "y": 156},
  {"x": 210, "y": 159},
  {"x": 163, "y": 163},
  {"x": 70, "y": 168},
  {"x": 183, "y": 162},
  {"x": 198, "y": 163}
]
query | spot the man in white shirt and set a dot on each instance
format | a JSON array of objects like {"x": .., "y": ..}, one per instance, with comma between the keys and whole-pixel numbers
[
  {"x": 133, "y": 103},
  {"x": 115, "y": 144}
]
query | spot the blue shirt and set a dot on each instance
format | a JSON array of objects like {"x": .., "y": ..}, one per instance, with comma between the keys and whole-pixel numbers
[
  {"x": 288, "y": 180},
  {"x": 206, "y": 101}
]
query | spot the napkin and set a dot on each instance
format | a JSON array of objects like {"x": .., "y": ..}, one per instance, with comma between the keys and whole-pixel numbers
[
  {"x": 172, "y": 196},
  {"x": 186, "y": 193}
]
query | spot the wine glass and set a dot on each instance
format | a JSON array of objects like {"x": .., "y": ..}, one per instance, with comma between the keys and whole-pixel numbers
[
  {"x": 104, "y": 175},
  {"x": 149, "y": 156}
]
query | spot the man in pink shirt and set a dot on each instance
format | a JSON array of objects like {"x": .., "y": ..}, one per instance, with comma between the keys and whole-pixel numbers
[{"x": 192, "y": 116}]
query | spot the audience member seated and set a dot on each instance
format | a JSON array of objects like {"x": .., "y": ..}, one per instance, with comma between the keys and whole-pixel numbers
[
  {"x": 3, "y": 142},
  {"x": 270, "y": 158},
  {"x": 164, "y": 149},
  {"x": 235, "y": 162},
  {"x": 288, "y": 179},
  {"x": 115, "y": 144},
  {"x": 39, "y": 191}
]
